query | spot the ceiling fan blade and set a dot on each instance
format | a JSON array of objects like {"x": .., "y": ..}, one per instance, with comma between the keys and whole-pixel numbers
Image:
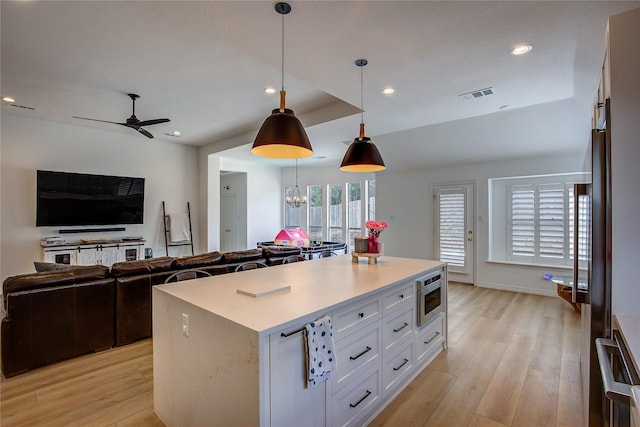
[
  {"x": 145, "y": 133},
  {"x": 132, "y": 122},
  {"x": 153, "y": 122},
  {"x": 96, "y": 120}
]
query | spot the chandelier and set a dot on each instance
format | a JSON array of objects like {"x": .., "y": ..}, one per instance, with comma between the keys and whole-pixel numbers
[{"x": 295, "y": 199}]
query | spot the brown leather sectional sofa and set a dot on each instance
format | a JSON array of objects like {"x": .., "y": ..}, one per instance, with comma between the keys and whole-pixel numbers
[{"x": 53, "y": 316}]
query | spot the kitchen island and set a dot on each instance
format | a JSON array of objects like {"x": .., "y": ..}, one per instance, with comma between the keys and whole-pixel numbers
[{"x": 228, "y": 350}]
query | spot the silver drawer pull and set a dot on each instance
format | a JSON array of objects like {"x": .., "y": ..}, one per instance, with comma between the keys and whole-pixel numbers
[
  {"x": 401, "y": 327},
  {"x": 614, "y": 390},
  {"x": 432, "y": 338},
  {"x": 367, "y": 394},
  {"x": 357, "y": 356},
  {"x": 401, "y": 365}
]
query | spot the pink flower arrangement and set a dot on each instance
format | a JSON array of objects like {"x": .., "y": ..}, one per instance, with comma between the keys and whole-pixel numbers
[{"x": 376, "y": 228}]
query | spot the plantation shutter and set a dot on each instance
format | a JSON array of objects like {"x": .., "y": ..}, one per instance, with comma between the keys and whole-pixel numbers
[
  {"x": 583, "y": 218},
  {"x": 522, "y": 220},
  {"x": 551, "y": 221},
  {"x": 452, "y": 228}
]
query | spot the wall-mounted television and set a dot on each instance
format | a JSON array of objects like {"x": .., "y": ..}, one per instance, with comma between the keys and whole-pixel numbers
[{"x": 65, "y": 198}]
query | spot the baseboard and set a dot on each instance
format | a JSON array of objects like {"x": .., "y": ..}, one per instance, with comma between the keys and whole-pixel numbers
[{"x": 549, "y": 293}]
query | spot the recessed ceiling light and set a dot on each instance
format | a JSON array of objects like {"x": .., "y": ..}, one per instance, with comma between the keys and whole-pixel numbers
[
  {"x": 521, "y": 49},
  {"x": 270, "y": 90},
  {"x": 388, "y": 90},
  {"x": 175, "y": 133},
  {"x": 8, "y": 99}
]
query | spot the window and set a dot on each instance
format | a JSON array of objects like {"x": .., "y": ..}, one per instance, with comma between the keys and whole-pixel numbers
[
  {"x": 371, "y": 199},
  {"x": 335, "y": 213},
  {"x": 315, "y": 213},
  {"x": 292, "y": 215},
  {"x": 541, "y": 223},
  {"x": 354, "y": 211}
]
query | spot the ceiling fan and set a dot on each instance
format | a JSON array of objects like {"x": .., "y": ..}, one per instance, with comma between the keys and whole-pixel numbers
[{"x": 132, "y": 122}]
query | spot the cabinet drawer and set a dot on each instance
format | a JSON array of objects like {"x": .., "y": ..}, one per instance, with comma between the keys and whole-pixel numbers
[
  {"x": 356, "y": 315},
  {"x": 397, "y": 326},
  {"x": 399, "y": 296},
  {"x": 397, "y": 367},
  {"x": 428, "y": 339},
  {"x": 357, "y": 353},
  {"x": 353, "y": 403}
]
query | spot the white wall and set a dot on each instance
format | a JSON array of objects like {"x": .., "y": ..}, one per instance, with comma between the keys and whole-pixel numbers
[
  {"x": 169, "y": 169},
  {"x": 263, "y": 197},
  {"x": 405, "y": 201}
]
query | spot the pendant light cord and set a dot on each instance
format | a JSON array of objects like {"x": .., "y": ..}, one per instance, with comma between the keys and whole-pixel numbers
[
  {"x": 361, "y": 96},
  {"x": 282, "y": 64}
]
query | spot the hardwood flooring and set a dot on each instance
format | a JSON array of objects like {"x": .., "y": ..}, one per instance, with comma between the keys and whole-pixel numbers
[{"x": 513, "y": 360}]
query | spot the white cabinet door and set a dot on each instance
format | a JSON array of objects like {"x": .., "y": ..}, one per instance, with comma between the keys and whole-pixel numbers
[
  {"x": 292, "y": 404},
  {"x": 108, "y": 255},
  {"x": 88, "y": 255}
]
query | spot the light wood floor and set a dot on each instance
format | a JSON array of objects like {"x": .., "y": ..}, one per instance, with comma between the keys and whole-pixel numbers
[{"x": 513, "y": 360}]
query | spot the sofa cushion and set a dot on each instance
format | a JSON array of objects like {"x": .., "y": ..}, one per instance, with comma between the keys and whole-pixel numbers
[
  {"x": 26, "y": 282},
  {"x": 84, "y": 273},
  {"x": 280, "y": 250},
  {"x": 242, "y": 256},
  {"x": 144, "y": 266},
  {"x": 46, "y": 279},
  {"x": 203, "y": 260}
]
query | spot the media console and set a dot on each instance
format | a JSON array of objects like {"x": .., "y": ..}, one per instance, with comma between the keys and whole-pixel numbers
[{"x": 93, "y": 251}]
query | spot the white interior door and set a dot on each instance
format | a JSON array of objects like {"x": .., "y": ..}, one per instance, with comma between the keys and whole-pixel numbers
[
  {"x": 228, "y": 223},
  {"x": 454, "y": 229}
]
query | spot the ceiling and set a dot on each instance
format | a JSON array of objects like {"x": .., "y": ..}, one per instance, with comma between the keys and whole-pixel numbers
[{"x": 204, "y": 65}]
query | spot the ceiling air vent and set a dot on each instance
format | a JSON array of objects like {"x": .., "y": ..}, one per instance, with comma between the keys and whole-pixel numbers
[
  {"x": 24, "y": 107},
  {"x": 476, "y": 94}
]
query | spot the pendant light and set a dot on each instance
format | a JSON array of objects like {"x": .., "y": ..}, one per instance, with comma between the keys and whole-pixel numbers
[
  {"x": 282, "y": 136},
  {"x": 362, "y": 155},
  {"x": 296, "y": 199}
]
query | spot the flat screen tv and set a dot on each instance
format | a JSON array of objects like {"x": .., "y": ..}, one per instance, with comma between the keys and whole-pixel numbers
[{"x": 65, "y": 198}]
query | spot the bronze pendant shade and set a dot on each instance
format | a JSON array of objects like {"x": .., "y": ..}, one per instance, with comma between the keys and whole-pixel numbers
[
  {"x": 282, "y": 136},
  {"x": 362, "y": 155}
]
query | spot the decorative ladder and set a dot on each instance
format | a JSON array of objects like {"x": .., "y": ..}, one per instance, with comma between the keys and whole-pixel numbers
[{"x": 167, "y": 244}]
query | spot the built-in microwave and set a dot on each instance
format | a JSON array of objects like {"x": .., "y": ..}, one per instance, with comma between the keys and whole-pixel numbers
[{"x": 430, "y": 296}]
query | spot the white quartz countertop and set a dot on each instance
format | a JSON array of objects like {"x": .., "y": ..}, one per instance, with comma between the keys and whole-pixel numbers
[
  {"x": 315, "y": 286},
  {"x": 629, "y": 326}
]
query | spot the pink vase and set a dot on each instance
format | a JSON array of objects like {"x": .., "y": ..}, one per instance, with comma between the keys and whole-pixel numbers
[{"x": 372, "y": 246}]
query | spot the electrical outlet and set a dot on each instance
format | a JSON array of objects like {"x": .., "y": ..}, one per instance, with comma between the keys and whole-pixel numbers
[{"x": 185, "y": 324}]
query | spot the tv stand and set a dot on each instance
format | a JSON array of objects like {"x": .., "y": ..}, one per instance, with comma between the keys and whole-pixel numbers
[{"x": 91, "y": 252}]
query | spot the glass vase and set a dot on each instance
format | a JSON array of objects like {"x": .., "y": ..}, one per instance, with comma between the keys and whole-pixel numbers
[{"x": 372, "y": 246}]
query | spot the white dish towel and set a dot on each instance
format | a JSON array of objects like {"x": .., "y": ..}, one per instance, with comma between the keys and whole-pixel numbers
[
  {"x": 179, "y": 227},
  {"x": 320, "y": 351}
]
